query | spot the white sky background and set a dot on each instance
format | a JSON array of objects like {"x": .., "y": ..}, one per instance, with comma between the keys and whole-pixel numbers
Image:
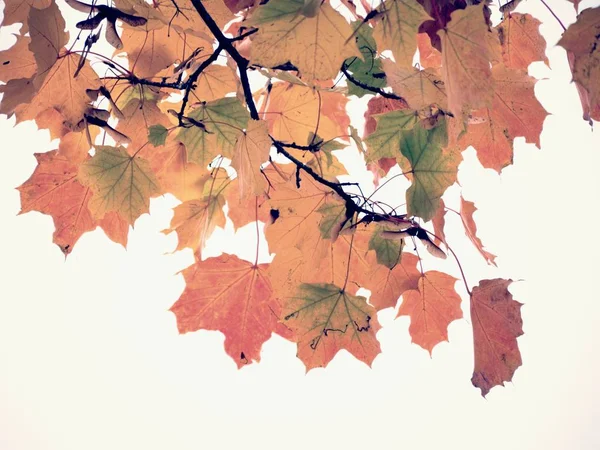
[{"x": 90, "y": 357}]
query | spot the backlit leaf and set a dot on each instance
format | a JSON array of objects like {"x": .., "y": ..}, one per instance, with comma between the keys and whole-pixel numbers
[
  {"x": 299, "y": 39},
  {"x": 120, "y": 183},
  {"x": 325, "y": 319},
  {"x": 397, "y": 29},
  {"x": 223, "y": 121},
  {"x": 432, "y": 168},
  {"x": 233, "y": 296},
  {"x": 157, "y": 135},
  {"x": 195, "y": 220},
  {"x": 431, "y": 308},
  {"x": 521, "y": 41},
  {"x": 252, "y": 150},
  {"x": 466, "y": 60}
]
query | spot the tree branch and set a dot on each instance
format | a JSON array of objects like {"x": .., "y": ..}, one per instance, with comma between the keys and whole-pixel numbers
[
  {"x": 227, "y": 45},
  {"x": 367, "y": 87},
  {"x": 190, "y": 82}
]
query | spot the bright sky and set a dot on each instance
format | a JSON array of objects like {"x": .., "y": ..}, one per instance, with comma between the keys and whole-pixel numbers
[{"x": 90, "y": 358}]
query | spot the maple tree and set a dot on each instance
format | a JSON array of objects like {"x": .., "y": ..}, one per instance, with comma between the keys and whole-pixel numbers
[{"x": 171, "y": 109}]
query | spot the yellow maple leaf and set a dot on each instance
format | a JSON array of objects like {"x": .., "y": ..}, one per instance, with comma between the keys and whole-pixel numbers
[{"x": 316, "y": 45}]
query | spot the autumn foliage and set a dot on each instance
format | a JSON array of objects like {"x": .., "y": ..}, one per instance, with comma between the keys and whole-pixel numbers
[{"x": 243, "y": 104}]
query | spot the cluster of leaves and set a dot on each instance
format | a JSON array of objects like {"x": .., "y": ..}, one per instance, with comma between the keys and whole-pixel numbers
[{"x": 176, "y": 102}]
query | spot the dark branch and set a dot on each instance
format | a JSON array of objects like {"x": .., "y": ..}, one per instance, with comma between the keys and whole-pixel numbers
[
  {"x": 227, "y": 45},
  {"x": 191, "y": 81},
  {"x": 366, "y": 87}
]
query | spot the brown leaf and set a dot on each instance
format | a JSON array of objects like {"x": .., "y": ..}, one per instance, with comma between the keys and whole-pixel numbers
[
  {"x": 497, "y": 323},
  {"x": 582, "y": 42},
  {"x": 48, "y": 36},
  {"x": 429, "y": 57},
  {"x": 177, "y": 176}
]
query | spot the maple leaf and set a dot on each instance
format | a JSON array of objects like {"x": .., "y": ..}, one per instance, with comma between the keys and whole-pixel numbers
[
  {"x": 429, "y": 57},
  {"x": 17, "y": 11},
  {"x": 336, "y": 216},
  {"x": 467, "y": 209},
  {"x": 397, "y": 29},
  {"x": 214, "y": 83},
  {"x": 243, "y": 211},
  {"x": 497, "y": 323},
  {"x": 466, "y": 60},
  {"x": 251, "y": 150},
  {"x": 515, "y": 111},
  {"x": 183, "y": 179},
  {"x": 325, "y": 319},
  {"x": 287, "y": 35},
  {"x": 18, "y": 61},
  {"x": 367, "y": 70},
  {"x": 120, "y": 182},
  {"x": 431, "y": 308},
  {"x": 299, "y": 114},
  {"x": 385, "y": 142},
  {"x": 216, "y": 128},
  {"x": 48, "y": 35},
  {"x": 48, "y": 91},
  {"x": 295, "y": 208},
  {"x": 388, "y": 251},
  {"x": 233, "y": 296},
  {"x": 521, "y": 41},
  {"x": 420, "y": 88},
  {"x": 195, "y": 220},
  {"x": 54, "y": 189},
  {"x": 138, "y": 117},
  {"x": 583, "y": 44},
  {"x": 431, "y": 168},
  {"x": 387, "y": 285},
  {"x": 379, "y": 105},
  {"x": 152, "y": 51}
]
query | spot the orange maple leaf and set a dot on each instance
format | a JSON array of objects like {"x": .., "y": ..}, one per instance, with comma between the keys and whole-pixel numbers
[{"x": 233, "y": 296}]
